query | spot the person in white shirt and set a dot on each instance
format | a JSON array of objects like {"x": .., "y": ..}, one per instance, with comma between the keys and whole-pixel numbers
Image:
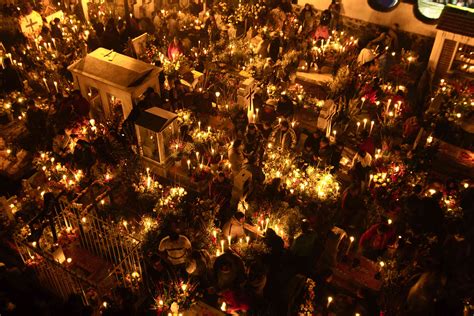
[
  {"x": 176, "y": 248},
  {"x": 235, "y": 226}
]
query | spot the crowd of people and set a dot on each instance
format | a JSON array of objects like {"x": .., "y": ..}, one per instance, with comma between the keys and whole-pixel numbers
[{"x": 415, "y": 234}]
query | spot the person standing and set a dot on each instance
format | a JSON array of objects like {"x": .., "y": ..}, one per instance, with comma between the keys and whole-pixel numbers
[
  {"x": 236, "y": 157},
  {"x": 176, "y": 248},
  {"x": 283, "y": 136}
]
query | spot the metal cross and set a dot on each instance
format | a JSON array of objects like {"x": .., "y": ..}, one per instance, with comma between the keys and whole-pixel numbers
[
  {"x": 250, "y": 96},
  {"x": 31, "y": 25}
]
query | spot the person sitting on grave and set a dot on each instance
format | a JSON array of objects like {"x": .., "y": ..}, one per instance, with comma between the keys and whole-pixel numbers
[
  {"x": 266, "y": 130},
  {"x": 151, "y": 99},
  {"x": 229, "y": 271},
  {"x": 80, "y": 105},
  {"x": 251, "y": 165},
  {"x": 313, "y": 140},
  {"x": 308, "y": 154},
  {"x": 361, "y": 164},
  {"x": 285, "y": 107},
  {"x": 111, "y": 38},
  {"x": 199, "y": 267},
  {"x": 220, "y": 189},
  {"x": 83, "y": 157},
  {"x": 322, "y": 31},
  {"x": 175, "y": 49},
  {"x": 176, "y": 248},
  {"x": 324, "y": 152},
  {"x": 56, "y": 29},
  {"x": 307, "y": 18},
  {"x": 184, "y": 134},
  {"x": 195, "y": 7},
  {"x": 303, "y": 247},
  {"x": 235, "y": 226},
  {"x": 35, "y": 119},
  {"x": 61, "y": 143},
  {"x": 10, "y": 80},
  {"x": 283, "y": 136},
  {"x": 375, "y": 240},
  {"x": 352, "y": 207},
  {"x": 236, "y": 157},
  {"x": 253, "y": 142}
]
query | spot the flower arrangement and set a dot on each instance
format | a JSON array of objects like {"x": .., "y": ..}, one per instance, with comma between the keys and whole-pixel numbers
[
  {"x": 279, "y": 216},
  {"x": 170, "y": 200},
  {"x": 311, "y": 182},
  {"x": 176, "y": 295},
  {"x": 307, "y": 306}
]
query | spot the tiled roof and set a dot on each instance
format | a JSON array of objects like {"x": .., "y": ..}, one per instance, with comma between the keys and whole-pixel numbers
[{"x": 457, "y": 20}]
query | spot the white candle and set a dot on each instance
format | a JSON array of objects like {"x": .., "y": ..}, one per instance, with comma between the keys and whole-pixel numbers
[
  {"x": 56, "y": 86},
  {"x": 358, "y": 125},
  {"x": 371, "y": 126},
  {"x": 351, "y": 239},
  {"x": 329, "y": 301},
  {"x": 46, "y": 84},
  {"x": 365, "y": 122},
  {"x": 229, "y": 240},
  {"x": 222, "y": 245}
]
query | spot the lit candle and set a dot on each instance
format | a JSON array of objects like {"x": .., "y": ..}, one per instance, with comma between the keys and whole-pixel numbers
[
  {"x": 358, "y": 125},
  {"x": 189, "y": 164},
  {"x": 229, "y": 240},
  {"x": 371, "y": 127},
  {"x": 365, "y": 122},
  {"x": 363, "y": 100},
  {"x": 199, "y": 125},
  {"x": 247, "y": 239},
  {"x": 56, "y": 86},
  {"x": 329, "y": 301},
  {"x": 351, "y": 239},
  {"x": 208, "y": 129},
  {"x": 46, "y": 84},
  {"x": 222, "y": 245}
]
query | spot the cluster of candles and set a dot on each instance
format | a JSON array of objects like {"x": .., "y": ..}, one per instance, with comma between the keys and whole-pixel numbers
[
  {"x": 228, "y": 241},
  {"x": 364, "y": 124}
]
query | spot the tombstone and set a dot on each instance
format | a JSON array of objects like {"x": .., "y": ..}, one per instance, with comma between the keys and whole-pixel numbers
[
  {"x": 242, "y": 186},
  {"x": 245, "y": 95},
  {"x": 58, "y": 14},
  {"x": 139, "y": 44},
  {"x": 155, "y": 128},
  {"x": 31, "y": 24},
  {"x": 109, "y": 80},
  {"x": 325, "y": 115}
]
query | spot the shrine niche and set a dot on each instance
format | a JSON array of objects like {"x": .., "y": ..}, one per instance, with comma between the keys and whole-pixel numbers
[
  {"x": 155, "y": 128},
  {"x": 454, "y": 44},
  {"x": 112, "y": 82}
]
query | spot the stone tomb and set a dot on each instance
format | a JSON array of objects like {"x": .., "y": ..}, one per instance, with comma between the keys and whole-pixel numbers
[{"x": 113, "y": 82}]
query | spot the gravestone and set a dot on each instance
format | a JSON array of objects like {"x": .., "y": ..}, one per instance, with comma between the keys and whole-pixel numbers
[{"x": 326, "y": 114}]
